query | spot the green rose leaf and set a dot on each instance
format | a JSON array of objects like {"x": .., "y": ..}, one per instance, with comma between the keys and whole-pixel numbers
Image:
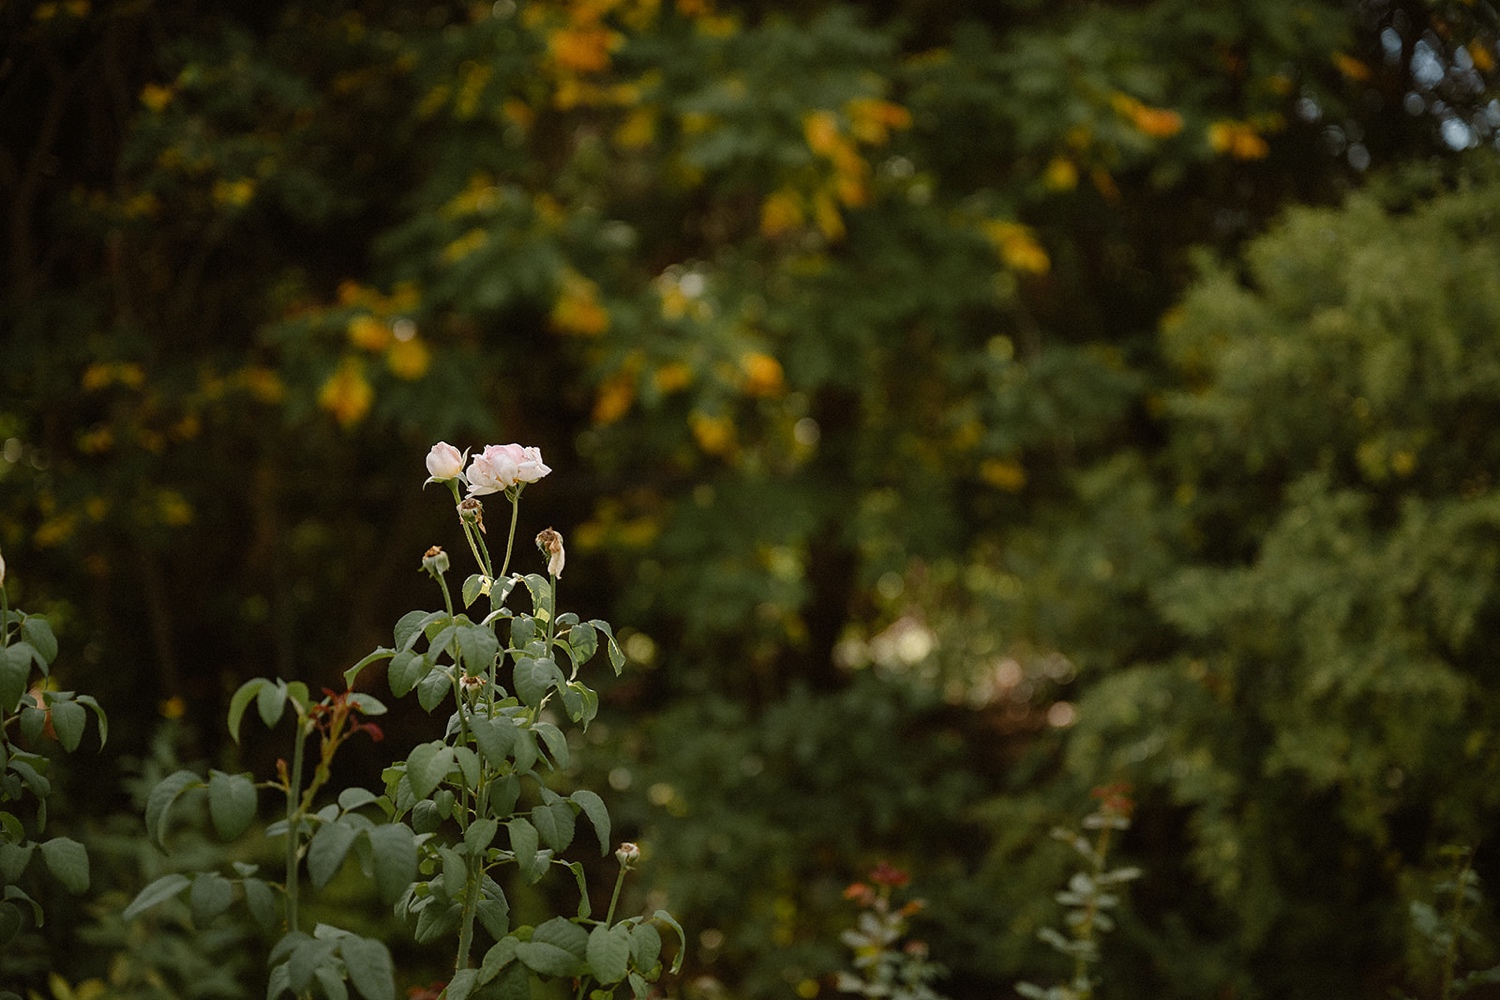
[
  {"x": 557, "y": 743},
  {"x": 68, "y": 862},
  {"x": 160, "y": 802},
  {"x": 231, "y": 803},
  {"x": 158, "y": 891},
  {"x": 535, "y": 676},
  {"x": 609, "y": 953},
  {"x": 496, "y": 739},
  {"x": 557, "y": 948},
  {"x": 432, "y": 689},
  {"x": 370, "y": 967},
  {"x": 645, "y": 946},
  {"x": 395, "y": 850},
  {"x": 15, "y": 668},
  {"x": 327, "y": 850},
  {"x": 245, "y": 694},
  {"x": 593, "y": 807},
  {"x": 210, "y": 896},
  {"x": 523, "y": 843},
  {"x": 92, "y": 705},
  {"x": 554, "y": 822},
  {"x": 37, "y": 631},
  {"x": 671, "y": 922},
  {"x": 479, "y": 647},
  {"x": 426, "y": 767},
  {"x": 260, "y": 900},
  {"x": 68, "y": 721},
  {"x": 270, "y": 702},
  {"x": 583, "y": 643}
]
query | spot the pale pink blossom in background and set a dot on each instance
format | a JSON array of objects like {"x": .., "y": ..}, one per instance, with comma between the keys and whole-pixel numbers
[
  {"x": 501, "y": 466},
  {"x": 445, "y": 462}
]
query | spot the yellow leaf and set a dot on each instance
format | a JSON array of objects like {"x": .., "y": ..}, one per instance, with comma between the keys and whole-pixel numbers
[
  {"x": 1061, "y": 174},
  {"x": 408, "y": 359},
  {"x": 1003, "y": 474},
  {"x": 616, "y": 395},
  {"x": 781, "y": 212},
  {"x": 347, "y": 394},
  {"x": 369, "y": 333},
  {"x": 763, "y": 374},
  {"x": 577, "y": 309},
  {"x": 714, "y": 434}
]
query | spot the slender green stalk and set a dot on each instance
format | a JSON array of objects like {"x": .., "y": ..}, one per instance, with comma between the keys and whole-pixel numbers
[
  {"x": 294, "y": 825},
  {"x": 471, "y": 909},
  {"x": 510, "y": 540}
]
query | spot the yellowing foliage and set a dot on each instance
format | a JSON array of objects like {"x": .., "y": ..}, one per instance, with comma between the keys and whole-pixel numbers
[
  {"x": 347, "y": 394},
  {"x": 616, "y": 394},
  {"x": 369, "y": 333},
  {"x": 714, "y": 433},
  {"x": 763, "y": 374},
  {"x": 1158, "y": 123},
  {"x": 1017, "y": 247},
  {"x": 156, "y": 97},
  {"x": 1003, "y": 474},
  {"x": 577, "y": 309},
  {"x": 408, "y": 359},
  {"x": 103, "y": 374},
  {"x": 1239, "y": 140},
  {"x": 1061, "y": 174}
]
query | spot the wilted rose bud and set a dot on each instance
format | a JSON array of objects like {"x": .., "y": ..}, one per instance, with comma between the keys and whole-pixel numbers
[
  {"x": 471, "y": 511},
  {"x": 444, "y": 462},
  {"x": 551, "y": 544},
  {"x": 627, "y": 854},
  {"x": 435, "y": 561}
]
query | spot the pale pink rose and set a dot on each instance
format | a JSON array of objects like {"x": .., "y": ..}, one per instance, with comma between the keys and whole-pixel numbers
[
  {"x": 501, "y": 466},
  {"x": 491, "y": 471},
  {"x": 530, "y": 467},
  {"x": 444, "y": 462}
]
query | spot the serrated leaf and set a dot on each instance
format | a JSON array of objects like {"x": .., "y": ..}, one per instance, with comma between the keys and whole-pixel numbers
[
  {"x": 645, "y": 946},
  {"x": 426, "y": 767},
  {"x": 522, "y": 631},
  {"x": 479, "y": 647},
  {"x": 38, "y": 632},
  {"x": 410, "y": 626},
  {"x": 373, "y": 657},
  {"x": 243, "y": 696},
  {"x": 513, "y": 982},
  {"x": 557, "y": 743},
  {"x": 332, "y": 983},
  {"x": 395, "y": 850},
  {"x": 462, "y": 984},
  {"x": 260, "y": 900},
  {"x": 550, "y": 958},
  {"x": 158, "y": 891},
  {"x": 270, "y": 702},
  {"x": 15, "y": 668},
  {"x": 231, "y": 803},
  {"x": 433, "y": 688},
  {"x": 13, "y": 861},
  {"x": 306, "y": 958},
  {"x": 405, "y": 671},
  {"x": 523, "y": 843},
  {"x": 159, "y": 803},
  {"x": 671, "y": 922},
  {"x": 494, "y": 910},
  {"x": 210, "y": 896},
  {"x": 68, "y": 721},
  {"x": 496, "y": 739},
  {"x": 327, "y": 850},
  {"x": 554, "y": 823},
  {"x": 541, "y": 595},
  {"x": 370, "y": 967},
  {"x": 582, "y": 643},
  {"x": 479, "y": 835},
  {"x": 535, "y": 677},
  {"x": 609, "y": 953},
  {"x": 593, "y": 807},
  {"x": 473, "y": 587},
  {"x": 355, "y": 797},
  {"x": 68, "y": 861},
  {"x": 88, "y": 701},
  {"x": 501, "y": 954}
]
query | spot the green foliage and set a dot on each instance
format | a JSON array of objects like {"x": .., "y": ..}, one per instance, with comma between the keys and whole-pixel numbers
[
  {"x": 33, "y": 714},
  {"x": 860, "y": 323}
]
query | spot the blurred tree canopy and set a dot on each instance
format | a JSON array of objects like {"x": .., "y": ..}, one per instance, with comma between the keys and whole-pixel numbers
[{"x": 952, "y": 383}]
